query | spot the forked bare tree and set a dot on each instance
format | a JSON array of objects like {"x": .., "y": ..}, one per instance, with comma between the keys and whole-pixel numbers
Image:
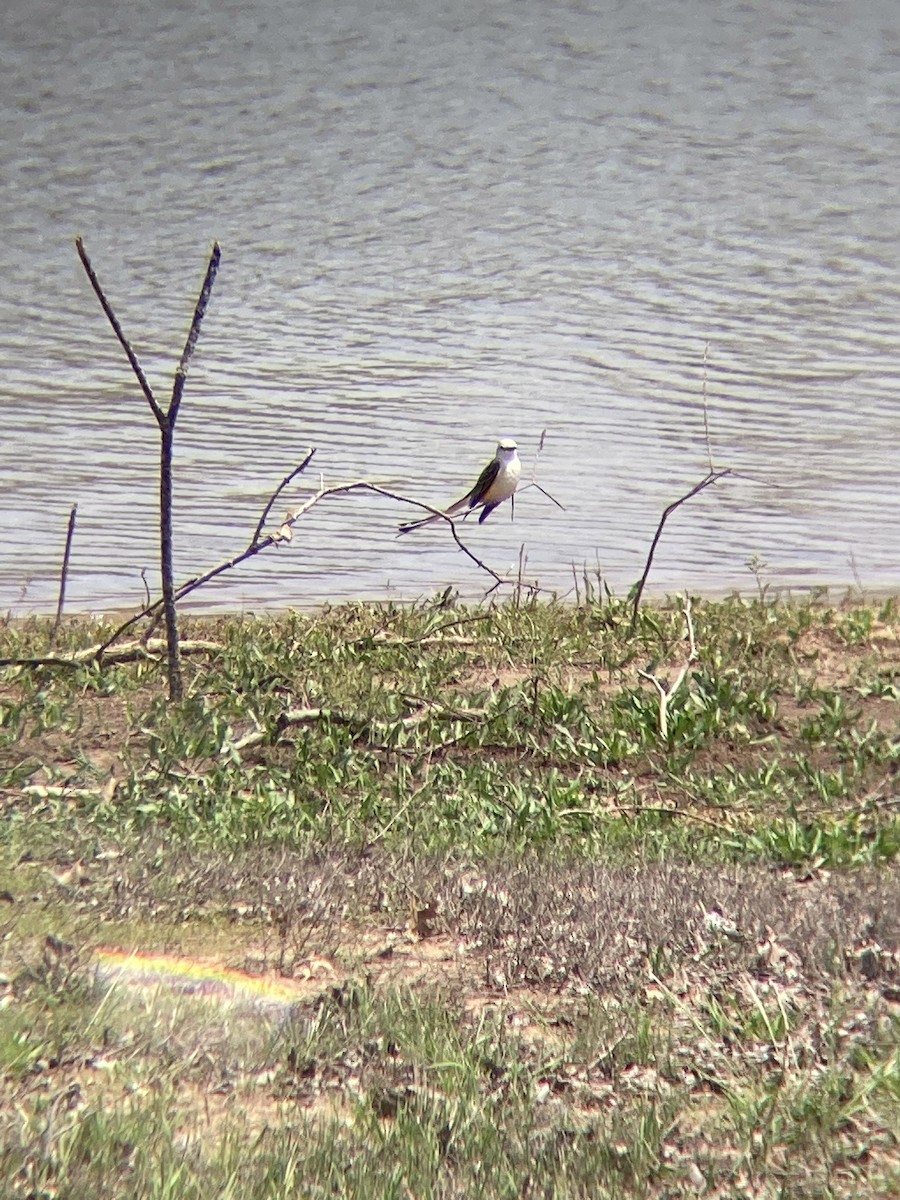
[{"x": 165, "y": 419}]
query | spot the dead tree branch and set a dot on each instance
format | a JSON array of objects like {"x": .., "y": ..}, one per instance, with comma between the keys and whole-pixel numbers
[
  {"x": 285, "y": 534},
  {"x": 64, "y": 574},
  {"x": 288, "y": 479},
  {"x": 257, "y": 545},
  {"x": 117, "y": 330},
  {"x": 711, "y": 478},
  {"x": 166, "y": 422},
  {"x": 149, "y": 651}
]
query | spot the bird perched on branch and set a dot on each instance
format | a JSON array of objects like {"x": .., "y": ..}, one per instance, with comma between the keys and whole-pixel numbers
[{"x": 496, "y": 483}]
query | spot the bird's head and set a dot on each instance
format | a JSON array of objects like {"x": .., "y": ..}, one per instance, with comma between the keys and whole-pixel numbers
[{"x": 506, "y": 448}]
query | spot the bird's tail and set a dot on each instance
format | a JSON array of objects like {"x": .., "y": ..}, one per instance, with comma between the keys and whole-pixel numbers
[{"x": 409, "y": 526}]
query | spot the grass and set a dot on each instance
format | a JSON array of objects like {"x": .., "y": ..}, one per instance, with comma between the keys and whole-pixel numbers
[{"x": 552, "y": 940}]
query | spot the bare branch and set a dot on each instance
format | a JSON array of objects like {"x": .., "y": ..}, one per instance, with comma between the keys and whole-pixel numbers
[
  {"x": 709, "y": 457},
  {"x": 152, "y": 608},
  {"x": 362, "y": 485},
  {"x": 284, "y": 534},
  {"x": 64, "y": 574},
  {"x": 199, "y": 313},
  {"x": 117, "y": 330},
  {"x": 167, "y": 571},
  {"x": 166, "y": 423},
  {"x": 284, "y": 483},
  {"x": 533, "y": 480},
  {"x": 520, "y": 582},
  {"x": 712, "y": 477},
  {"x": 532, "y": 484}
]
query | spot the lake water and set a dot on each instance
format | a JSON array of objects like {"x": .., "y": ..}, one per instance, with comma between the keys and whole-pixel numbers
[{"x": 442, "y": 223}]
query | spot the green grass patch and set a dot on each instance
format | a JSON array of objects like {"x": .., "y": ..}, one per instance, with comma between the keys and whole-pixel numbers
[{"x": 577, "y": 911}]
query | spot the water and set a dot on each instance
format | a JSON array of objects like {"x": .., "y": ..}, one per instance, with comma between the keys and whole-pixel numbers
[{"x": 441, "y": 224}]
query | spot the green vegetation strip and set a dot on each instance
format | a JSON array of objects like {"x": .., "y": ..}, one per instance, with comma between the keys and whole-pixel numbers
[{"x": 579, "y": 912}]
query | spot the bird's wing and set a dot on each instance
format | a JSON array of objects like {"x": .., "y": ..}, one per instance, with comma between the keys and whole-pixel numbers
[{"x": 483, "y": 486}]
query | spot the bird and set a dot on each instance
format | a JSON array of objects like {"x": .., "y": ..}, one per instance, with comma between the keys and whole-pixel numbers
[{"x": 496, "y": 483}]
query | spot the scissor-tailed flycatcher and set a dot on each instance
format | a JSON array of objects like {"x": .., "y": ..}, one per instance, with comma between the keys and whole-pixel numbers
[{"x": 496, "y": 483}]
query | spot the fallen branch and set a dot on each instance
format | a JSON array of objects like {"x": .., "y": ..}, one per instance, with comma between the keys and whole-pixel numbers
[
  {"x": 638, "y": 809},
  {"x": 310, "y": 716},
  {"x": 151, "y": 650}
]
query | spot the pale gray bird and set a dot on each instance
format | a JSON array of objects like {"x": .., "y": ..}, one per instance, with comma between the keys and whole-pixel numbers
[{"x": 496, "y": 483}]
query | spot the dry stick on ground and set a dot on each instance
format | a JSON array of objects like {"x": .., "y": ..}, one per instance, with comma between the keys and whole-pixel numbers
[
  {"x": 665, "y": 691},
  {"x": 129, "y": 652},
  {"x": 712, "y": 477},
  {"x": 166, "y": 422},
  {"x": 64, "y": 574},
  {"x": 639, "y": 810}
]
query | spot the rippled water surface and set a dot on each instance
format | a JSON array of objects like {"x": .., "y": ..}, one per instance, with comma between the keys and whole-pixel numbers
[{"x": 441, "y": 223}]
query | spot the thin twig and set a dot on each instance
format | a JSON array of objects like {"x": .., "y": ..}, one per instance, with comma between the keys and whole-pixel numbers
[
  {"x": 117, "y": 329},
  {"x": 517, "y": 600},
  {"x": 64, "y": 574},
  {"x": 543, "y": 491},
  {"x": 712, "y": 477},
  {"x": 190, "y": 344},
  {"x": 538, "y": 455},
  {"x": 709, "y": 457},
  {"x": 533, "y": 481},
  {"x": 361, "y": 485},
  {"x": 284, "y": 483}
]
